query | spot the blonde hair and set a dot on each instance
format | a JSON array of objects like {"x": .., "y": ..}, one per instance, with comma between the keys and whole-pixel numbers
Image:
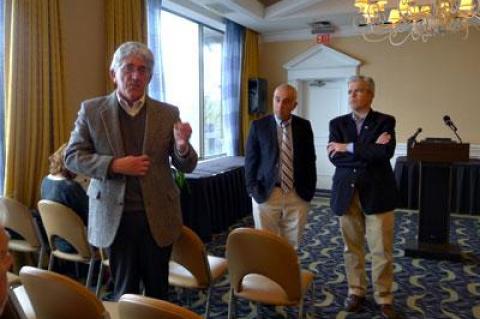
[{"x": 57, "y": 163}]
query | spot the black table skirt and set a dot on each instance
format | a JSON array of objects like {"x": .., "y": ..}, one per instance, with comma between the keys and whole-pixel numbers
[
  {"x": 215, "y": 197},
  {"x": 465, "y": 185}
]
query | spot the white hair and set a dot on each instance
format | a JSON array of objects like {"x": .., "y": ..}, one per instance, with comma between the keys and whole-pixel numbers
[{"x": 132, "y": 49}]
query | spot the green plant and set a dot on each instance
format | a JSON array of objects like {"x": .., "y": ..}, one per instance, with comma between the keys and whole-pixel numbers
[{"x": 181, "y": 180}]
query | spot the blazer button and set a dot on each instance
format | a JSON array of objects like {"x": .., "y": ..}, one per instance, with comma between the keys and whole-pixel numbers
[
  {"x": 354, "y": 170},
  {"x": 353, "y": 185}
]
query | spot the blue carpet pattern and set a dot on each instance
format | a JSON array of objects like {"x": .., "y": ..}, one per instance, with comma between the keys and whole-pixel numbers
[{"x": 423, "y": 288}]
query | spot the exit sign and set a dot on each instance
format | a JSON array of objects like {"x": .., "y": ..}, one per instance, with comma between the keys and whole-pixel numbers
[{"x": 323, "y": 38}]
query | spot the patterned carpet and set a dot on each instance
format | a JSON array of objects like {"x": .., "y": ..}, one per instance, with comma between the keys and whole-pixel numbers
[{"x": 423, "y": 288}]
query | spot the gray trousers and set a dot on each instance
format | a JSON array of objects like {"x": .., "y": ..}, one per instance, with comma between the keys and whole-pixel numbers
[{"x": 135, "y": 257}]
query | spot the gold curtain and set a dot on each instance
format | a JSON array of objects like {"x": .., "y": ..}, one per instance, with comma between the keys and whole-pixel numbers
[
  {"x": 34, "y": 105},
  {"x": 249, "y": 70},
  {"x": 126, "y": 21}
]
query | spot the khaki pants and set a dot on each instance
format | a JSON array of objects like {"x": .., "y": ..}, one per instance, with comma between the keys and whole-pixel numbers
[
  {"x": 378, "y": 229},
  {"x": 284, "y": 214}
]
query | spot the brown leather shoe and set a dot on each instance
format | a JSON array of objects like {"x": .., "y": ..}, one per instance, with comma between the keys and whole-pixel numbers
[
  {"x": 354, "y": 303},
  {"x": 388, "y": 312}
]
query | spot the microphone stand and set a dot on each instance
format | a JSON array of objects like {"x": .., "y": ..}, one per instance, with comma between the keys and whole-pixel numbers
[
  {"x": 456, "y": 134},
  {"x": 410, "y": 142},
  {"x": 459, "y": 139}
]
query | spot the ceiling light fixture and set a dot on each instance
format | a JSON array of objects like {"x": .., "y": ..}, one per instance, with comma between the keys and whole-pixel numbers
[{"x": 379, "y": 21}]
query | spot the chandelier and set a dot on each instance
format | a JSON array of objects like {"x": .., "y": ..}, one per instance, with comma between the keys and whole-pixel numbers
[{"x": 417, "y": 20}]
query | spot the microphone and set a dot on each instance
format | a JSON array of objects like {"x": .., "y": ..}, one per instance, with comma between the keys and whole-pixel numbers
[
  {"x": 412, "y": 139},
  {"x": 448, "y": 121}
]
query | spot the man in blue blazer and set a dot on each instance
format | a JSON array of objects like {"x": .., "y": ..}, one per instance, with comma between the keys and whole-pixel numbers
[
  {"x": 280, "y": 168},
  {"x": 125, "y": 142},
  {"x": 364, "y": 193}
]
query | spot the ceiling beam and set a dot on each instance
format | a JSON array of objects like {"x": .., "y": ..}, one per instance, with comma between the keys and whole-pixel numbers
[{"x": 288, "y": 7}]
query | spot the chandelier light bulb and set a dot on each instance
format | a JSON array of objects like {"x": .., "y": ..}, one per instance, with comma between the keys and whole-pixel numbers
[{"x": 408, "y": 20}]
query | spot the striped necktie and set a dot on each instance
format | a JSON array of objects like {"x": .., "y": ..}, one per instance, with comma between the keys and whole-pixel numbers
[{"x": 286, "y": 158}]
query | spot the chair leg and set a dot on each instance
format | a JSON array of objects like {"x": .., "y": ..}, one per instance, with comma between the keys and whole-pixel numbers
[
  {"x": 231, "y": 305},
  {"x": 312, "y": 302},
  {"x": 188, "y": 295},
  {"x": 41, "y": 255},
  {"x": 300, "y": 309},
  {"x": 99, "y": 281},
  {"x": 90, "y": 273},
  {"x": 258, "y": 307},
  {"x": 50, "y": 262},
  {"x": 207, "y": 304},
  {"x": 313, "y": 290}
]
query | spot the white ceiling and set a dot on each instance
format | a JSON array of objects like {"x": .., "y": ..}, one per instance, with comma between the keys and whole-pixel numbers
[{"x": 282, "y": 20}]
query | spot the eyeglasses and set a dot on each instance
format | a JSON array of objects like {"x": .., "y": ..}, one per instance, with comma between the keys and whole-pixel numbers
[
  {"x": 358, "y": 91},
  {"x": 130, "y": 69}
]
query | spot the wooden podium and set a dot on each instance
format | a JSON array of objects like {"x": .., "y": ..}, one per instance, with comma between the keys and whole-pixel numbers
[{"x": 435, "y": 184}]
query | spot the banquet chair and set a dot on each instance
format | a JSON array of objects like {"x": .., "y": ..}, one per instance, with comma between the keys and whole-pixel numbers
[
  {"x": 191, "y": 268},
  {"x": 17, "y": 217},
  {"x": 136, "y": 306},
  {"x": 59, "y": 220},
  {"x": 18, "y": 305},
  {"x": 264, "y": 268},
  {"x": 55, "y": 296}
]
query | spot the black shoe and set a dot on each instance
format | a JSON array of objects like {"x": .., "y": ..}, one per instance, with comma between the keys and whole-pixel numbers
[
  {"x": 354, "y": 303},
  {"x": 388, "y": 312}
]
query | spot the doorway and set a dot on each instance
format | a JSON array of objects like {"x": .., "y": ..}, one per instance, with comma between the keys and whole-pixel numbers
[
  {"x": 320, "y": 75},
  {"x": 323, "y": 101}
]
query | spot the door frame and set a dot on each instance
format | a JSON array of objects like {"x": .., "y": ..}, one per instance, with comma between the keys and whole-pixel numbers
[{"x": 319, "y": 63}]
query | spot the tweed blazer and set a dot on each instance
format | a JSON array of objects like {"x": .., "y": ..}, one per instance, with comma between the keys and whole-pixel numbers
[{"x": 96, "y": 140}]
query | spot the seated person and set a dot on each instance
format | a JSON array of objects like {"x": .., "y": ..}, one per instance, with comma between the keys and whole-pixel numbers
[
  {"x": 59, "y": 186},
  {"x": 5, "y": 264}
]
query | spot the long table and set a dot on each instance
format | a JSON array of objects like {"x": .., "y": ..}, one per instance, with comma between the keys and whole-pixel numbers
[
  {"x": 465, "y": 195},
  {"x": 215, "y": 196}
]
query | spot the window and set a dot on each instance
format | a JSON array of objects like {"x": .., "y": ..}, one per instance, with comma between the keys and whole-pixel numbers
[
  {"x": 2, "y": 96},
  {"x": 192, "y": 65},
  {"x": 212, "y": 92}
]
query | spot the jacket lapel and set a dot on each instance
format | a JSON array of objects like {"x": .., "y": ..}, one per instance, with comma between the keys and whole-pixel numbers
[
  {"x": 153, "y": 126},
  {"x": 273, "y": 134},
  {"x": 295, "y": 132},
  {"x": 351, "y": 132},
  {"x": 111, "y": 122},
  {"x": 367, "y": 127}
]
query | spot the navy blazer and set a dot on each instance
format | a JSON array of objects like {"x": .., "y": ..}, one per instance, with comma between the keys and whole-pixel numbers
[
  {"x": 262, "y": 158},
  {"x": 368, "y": 169}
]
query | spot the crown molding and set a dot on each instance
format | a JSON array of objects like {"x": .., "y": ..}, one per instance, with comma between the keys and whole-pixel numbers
[{"x": 306, "y": 34}]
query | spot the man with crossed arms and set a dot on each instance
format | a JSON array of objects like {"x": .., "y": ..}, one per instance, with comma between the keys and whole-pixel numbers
[{"x": 360, "y": 146}]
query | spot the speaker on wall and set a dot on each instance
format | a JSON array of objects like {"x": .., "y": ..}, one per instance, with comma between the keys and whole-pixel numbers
[{"x": 257, "y": 96}]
